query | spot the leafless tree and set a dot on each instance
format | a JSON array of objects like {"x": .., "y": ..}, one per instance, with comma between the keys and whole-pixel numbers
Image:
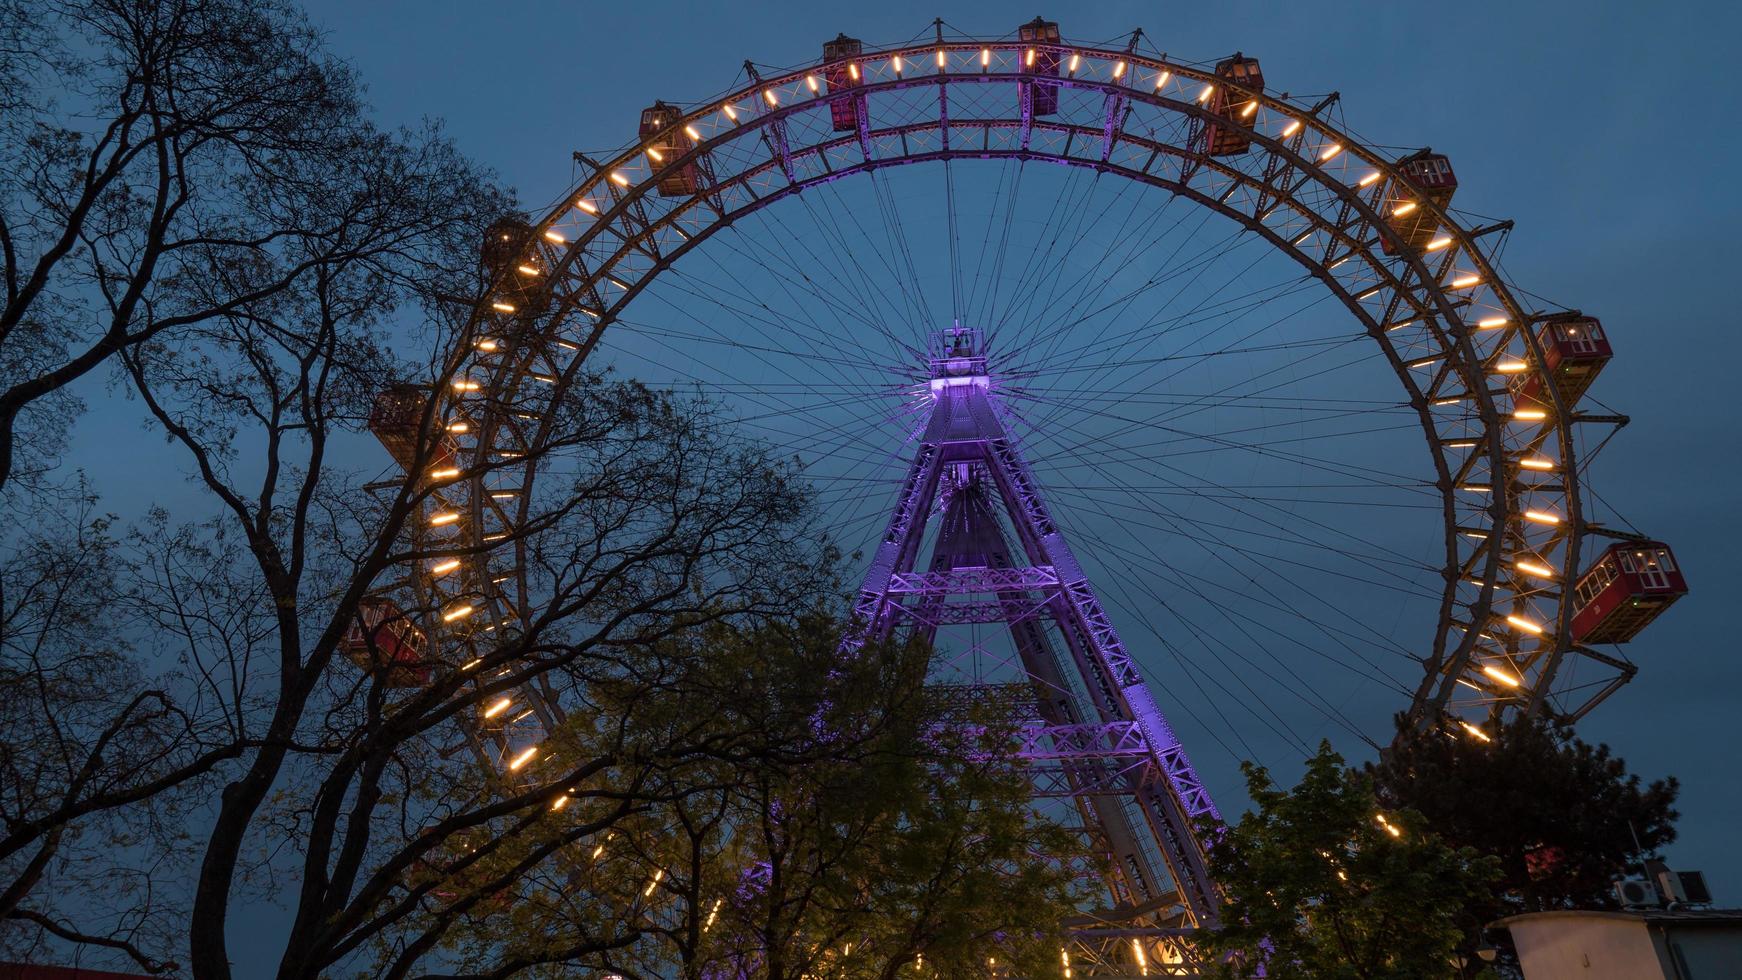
[{"x": 144, "y": 143}]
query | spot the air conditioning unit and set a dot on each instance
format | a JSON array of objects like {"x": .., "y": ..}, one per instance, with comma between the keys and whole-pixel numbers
[
  {"x": 1637, "y": 893},
  {"x": 1684, "y": 887}
]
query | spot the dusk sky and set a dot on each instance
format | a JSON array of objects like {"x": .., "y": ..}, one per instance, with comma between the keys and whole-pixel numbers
[{"x": 1607, "y": 131}]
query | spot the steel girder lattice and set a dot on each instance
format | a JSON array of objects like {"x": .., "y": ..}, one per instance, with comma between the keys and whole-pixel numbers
[{"x": 1106, "y": 746}]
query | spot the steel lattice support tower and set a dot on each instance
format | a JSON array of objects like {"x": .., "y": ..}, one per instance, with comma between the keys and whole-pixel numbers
[{"x": 1095, "y": 736}]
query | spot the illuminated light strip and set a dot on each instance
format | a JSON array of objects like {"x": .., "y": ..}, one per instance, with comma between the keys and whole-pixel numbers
[
  {"x": 1531, "y": 568},
  {"x": 462, "y": 384},
  {"x": 458, "y": 612},
  {"x": 1540, "y": 517},
  {"x": 487, "y": 345},
  {"x": 1511, "y": 367},
  {"x": 527, "y": 270},
  {"x": 437, "y": 520},
  {"x": 1208, "y": 91},
  {"x": 556, "y": 236},
  {"x": 810, "y": 82},
  {"x": 1530, "y": 415},
  {"x": 1291, "y": 129},
  {"x": 619, "y": 178},
  {"x": 523, "y": 758},
  {"x": 1369, "y": 292},
  {"x": 1438, "y": 244},
  {"x": 1330, "y": 151},
  {"x": 732, "y": 113},
  {"x": 444, "y": 474},
  {"x": 1523, "y": 624},
  {"x": 657, "y": 874},
  {"x": 1250, "y": 110},
  {"x": 1492, "y": 322},
  {"x": 1443, "y": 402},
  {"x": 459, "y": 427},
  {"x": 690, "y": 131},
  {"x": 1076, "y": 59},
  {"x": 895, "y": 63},
  {"x": 655, "y": 155},
  {"x": 1477, "y": 732},
  {"x": 498, "y": 707},
  {"x": 1119, "y": 70},
  {"x": 1161, "y": 79},
  {"x": 768, "y": 94},
  {"x": 561, "y": 802},
  {"x": 1537, "y": 463},
  {"x": 985, "y": 61},
  {"x": 445, "y": 567},
  {"x": 1501, "y": 675},
  {"x": 852, "y": 69},
  {"x": 1465, "y": 282},
  {"x": 1370, "y": 178},
  {"x": 1028, "y": 59},
  {"x": 1461, "y": 444},
  {"x": 502, "y": 307},
  {"x": 1476, "y": 488},
  {"x": 942, "y": 61},
  {"x": 587, "y": 206},
  {"x": 1402, "y": 209}
]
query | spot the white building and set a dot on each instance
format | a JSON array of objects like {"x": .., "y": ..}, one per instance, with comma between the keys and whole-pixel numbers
[{"x": 1643, "y": 944}]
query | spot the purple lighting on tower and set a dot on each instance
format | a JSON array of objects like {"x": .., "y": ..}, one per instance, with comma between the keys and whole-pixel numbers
[{"x": 1096, "y": 737}]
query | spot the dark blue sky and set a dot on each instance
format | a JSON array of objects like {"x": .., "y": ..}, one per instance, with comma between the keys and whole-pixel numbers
[{"x": 1607, "y": 131}]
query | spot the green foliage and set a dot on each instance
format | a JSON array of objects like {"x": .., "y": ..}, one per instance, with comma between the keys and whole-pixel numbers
[
  {"x": 1562, "y": 816},
  {"x": 1319, "y": 886},
  {"x": 791, "y": 813}
]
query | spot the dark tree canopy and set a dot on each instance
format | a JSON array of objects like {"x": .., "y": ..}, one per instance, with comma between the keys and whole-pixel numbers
[
  {"x": 1322, "y": 883},
  {"x": 1562, "y": 816}
]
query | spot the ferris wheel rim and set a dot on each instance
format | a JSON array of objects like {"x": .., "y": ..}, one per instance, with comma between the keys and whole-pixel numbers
[{"x": 773, "y": 109}]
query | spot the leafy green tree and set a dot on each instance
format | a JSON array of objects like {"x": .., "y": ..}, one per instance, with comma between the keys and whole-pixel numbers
[
  {"x": 1562, "y": 816},
  {"x": 827, "y": 818},
  {"x": 1321, "y": 884}
]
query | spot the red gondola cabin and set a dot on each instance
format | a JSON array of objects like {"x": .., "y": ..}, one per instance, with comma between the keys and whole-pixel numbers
[
  {"x": 1626, "y": 588},
  {"x": 1574, "y": 349},
  {"x": 395, "y": 420},
  {"x": 841, "y": 72},
  {"x": 382, "y": 639},
  {"x": 1040, "y": 56},
  {"x": 1234, "y": 105},
  {"x": 1429, "y": 178},
  {"x": 666, "y": 141}
]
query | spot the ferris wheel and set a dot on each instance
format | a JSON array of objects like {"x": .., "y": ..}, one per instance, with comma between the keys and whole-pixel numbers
[{"x": 1139, "y": 388}]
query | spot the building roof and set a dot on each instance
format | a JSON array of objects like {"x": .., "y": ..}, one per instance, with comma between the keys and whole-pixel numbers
[
  {"x": 32, "y": 971},
  {"x": 1680, "y": 917}
]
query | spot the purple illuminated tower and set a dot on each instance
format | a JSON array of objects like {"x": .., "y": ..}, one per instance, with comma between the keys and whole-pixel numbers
[{"x": 1091, "y": 732}]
